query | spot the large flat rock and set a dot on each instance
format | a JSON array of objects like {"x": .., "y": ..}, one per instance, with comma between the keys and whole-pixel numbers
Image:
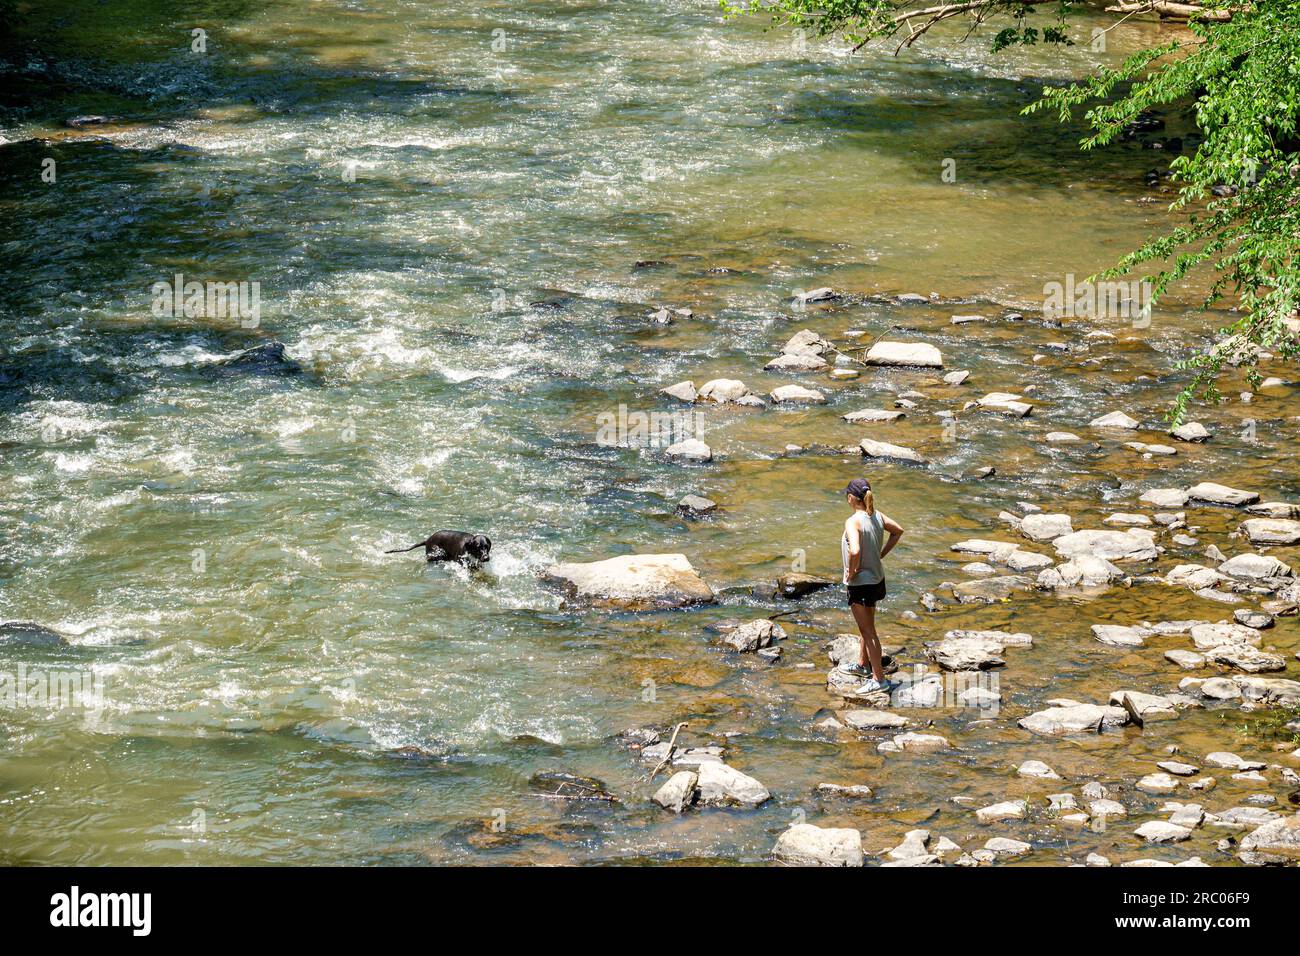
[
  {"x": 918, "y": 354},
  {"x": 1217, "y": 494},
  {"x": 1045, "y": 527},
  {"x": 1277, "y": 842},
  {"x": 873, "y": 415},
  {"x": 1074, "y": 719},
  {"x": 1272, "y": 530},
  {"x": 883, "y": 449},
  {"x": 1135, "y": 544},
  {"x": 632, "y": 582}
]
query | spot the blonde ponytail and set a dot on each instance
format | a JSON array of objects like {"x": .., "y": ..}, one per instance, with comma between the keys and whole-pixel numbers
[{"x": 869, "y": 502}]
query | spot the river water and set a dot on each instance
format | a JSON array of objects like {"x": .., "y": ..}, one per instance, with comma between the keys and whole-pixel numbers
[{"x": 445, "y": 210}]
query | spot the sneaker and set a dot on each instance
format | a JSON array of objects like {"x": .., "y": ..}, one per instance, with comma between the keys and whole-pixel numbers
[
  {"x": 855, "y": 670},
  {"x": 873, "y": 686}
]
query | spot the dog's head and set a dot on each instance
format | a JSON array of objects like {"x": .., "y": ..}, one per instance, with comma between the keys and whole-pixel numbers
[{"x": 479, "y": 547}]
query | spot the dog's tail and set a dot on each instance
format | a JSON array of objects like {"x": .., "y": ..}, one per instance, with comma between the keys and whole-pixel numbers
[{"x": 418, "y": 544}]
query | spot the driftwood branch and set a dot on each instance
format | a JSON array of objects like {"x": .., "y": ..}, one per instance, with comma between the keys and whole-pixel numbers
[
  {"x": 668, "y": 756},
  {"x": 919, "y": 20},
  {"x": 1170, "y": 10}
]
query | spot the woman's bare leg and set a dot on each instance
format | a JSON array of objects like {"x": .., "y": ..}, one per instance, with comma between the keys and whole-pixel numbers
[{"x": 866, "y": 621}]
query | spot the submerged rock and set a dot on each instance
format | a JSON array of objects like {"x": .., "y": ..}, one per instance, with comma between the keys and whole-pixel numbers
[
  {"x": 824, "y": 294},
  {"x": 29, "y": 634},
  {"x": 796, "y": 584},
  {"x": 872, "y": 415},
  {"x": 265, "y": 359},
  {"x": 1005, "y": 846},
  {"x": 848, "y": 790},
  {"x": 883, "y": 449}
]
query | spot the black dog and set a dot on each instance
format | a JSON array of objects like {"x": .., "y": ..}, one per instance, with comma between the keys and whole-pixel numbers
[{"x": 470, "y": 549}]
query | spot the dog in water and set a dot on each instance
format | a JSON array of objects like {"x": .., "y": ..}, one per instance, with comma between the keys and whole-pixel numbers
[{"x": 469, "y": 549}]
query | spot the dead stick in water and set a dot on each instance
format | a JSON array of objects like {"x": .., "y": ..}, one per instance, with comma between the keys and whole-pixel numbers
[{"x": 668, "y": 756}]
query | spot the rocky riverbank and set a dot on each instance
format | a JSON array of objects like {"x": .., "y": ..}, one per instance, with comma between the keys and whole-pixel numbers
[{"x": 1224, "y": 547}]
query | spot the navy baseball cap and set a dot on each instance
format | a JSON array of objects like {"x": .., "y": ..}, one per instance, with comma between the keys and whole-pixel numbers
[{"x": 858, "y": 487}]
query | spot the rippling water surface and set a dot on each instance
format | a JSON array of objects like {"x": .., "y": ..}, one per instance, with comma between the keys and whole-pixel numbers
[{"x": 455, "y": 316}]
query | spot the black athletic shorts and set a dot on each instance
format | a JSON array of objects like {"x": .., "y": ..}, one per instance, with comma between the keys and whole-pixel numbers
[{"x": 867, "y": 594}]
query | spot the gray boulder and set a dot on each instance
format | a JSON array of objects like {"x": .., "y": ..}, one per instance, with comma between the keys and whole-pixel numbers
[
  {"x": 678, "y": 793},
  {"x": 807, "y": 845}
]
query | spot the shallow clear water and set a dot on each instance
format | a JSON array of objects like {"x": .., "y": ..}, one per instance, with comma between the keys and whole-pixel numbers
[{"x": 462, "y": 312}]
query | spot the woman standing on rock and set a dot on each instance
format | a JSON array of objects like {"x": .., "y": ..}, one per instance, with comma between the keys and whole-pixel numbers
[{"x": 863, "y": 545}]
